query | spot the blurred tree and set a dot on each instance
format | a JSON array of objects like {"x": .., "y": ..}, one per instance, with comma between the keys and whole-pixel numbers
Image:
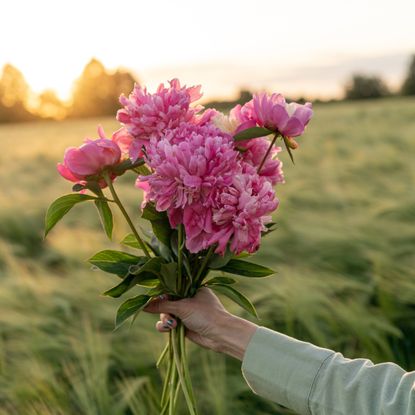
[
  {"x": 14, "y": 93},
  {"x": 50, "y": 106},
  {"x": 364, "y": 86},
  {"x": 96, "y": 92},
  {"x": 244, "y": 97},
  {"x": 408, "y": 86}
]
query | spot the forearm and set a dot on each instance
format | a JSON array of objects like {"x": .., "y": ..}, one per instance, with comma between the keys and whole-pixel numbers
[{"x": 233, "y": 335}]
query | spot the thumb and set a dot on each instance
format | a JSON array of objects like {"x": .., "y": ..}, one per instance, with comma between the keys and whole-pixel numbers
[{"x": 162, "y": 305}]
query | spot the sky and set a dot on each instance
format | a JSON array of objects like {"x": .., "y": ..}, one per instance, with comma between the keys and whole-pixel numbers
[{"x": 299, "y": 47}]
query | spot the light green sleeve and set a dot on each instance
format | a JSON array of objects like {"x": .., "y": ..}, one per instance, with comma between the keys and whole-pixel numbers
[{"x": 315, "y": 381}]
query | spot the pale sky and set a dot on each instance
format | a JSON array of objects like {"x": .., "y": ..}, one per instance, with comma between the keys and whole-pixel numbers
[{"x": 295, "y": 47}]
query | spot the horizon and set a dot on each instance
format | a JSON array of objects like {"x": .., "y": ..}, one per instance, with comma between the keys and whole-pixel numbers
[{"x": 240, "y": 52}]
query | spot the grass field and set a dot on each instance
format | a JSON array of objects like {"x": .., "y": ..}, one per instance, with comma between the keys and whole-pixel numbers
[{"x": 344, "y": 251}]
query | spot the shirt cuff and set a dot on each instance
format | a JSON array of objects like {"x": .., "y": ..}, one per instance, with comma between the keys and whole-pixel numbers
[{"x": 282, "y": 369}]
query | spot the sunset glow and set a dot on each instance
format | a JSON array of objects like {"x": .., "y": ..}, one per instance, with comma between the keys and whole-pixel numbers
[{"x": 289, "y": 46}]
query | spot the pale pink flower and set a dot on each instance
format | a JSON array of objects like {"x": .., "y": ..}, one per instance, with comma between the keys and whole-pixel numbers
[
  {"x": 148, "y": 116},
  {"x": 274, "y": 113},
  {"x": 124, "y": 141},
  {"x": 90, "y": 159},
  {"x": 238, "y": 119}
]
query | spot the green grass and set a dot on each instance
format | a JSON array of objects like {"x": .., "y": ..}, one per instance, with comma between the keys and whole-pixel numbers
[{"x": 344, "y": 252}]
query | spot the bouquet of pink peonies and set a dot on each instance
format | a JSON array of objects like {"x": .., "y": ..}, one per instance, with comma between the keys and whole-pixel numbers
[{"x": 208, "y": 190}]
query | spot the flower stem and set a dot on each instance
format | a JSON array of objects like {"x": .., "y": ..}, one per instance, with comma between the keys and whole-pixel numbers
[
  {"x": 162, "y": 356},
  {"x": 185, "y": 365},
  {"x": 179, "y": 258},
  {"x": 267, "y": 153},
  {"x": 204, "y": 263},
  {"x": 124, "y": 212},
  {"x": 184, "y": 384}
]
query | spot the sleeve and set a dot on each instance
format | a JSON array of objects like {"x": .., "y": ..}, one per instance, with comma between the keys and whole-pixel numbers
[{"x": 315, "y": 381}]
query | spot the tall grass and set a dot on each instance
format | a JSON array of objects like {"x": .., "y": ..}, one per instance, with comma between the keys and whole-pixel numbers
[{"x": 344, "y": 251}]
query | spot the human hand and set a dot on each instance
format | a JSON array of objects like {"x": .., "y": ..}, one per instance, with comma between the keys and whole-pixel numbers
[{"x": 208, "y": 323}]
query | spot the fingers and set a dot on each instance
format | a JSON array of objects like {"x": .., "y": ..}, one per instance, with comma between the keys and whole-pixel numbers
[
  {"x": 166, "y": 323},
  {"x": 162, "y": 305}
]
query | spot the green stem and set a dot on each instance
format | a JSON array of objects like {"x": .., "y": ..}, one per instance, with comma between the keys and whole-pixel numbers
[
  {"x": 173, "y": 386},
  {"x": 267, "y": 153},
  {"x": 165, "y": 395},
  {"x": 124, "y": 212},
  {"x": 190, "y": 405},
  {"x": 185, "y": 365},
  {"x": 204, "y": 264},
  {"x": 162, "y": 356},
  {"x": 168, "y": 374},
  {"x": 179, "y": 259}
]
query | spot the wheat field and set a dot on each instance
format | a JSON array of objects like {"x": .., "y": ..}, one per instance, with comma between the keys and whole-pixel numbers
[{"x": 344, "y": 253}]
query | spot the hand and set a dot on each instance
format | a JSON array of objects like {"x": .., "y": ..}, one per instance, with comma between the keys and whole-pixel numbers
[{"x": 208, "y": 323}]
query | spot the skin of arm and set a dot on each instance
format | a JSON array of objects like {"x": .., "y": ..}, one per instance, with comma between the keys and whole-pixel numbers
[{"x": 207, "y": 322}]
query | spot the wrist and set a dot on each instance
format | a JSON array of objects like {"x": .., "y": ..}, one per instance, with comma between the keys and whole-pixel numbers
[{"x": 234, "y": 334}]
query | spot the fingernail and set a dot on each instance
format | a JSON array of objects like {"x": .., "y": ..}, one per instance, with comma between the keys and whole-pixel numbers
[
  {"x": 170, "y": 322},
  {"x": 162, "y": 296}
]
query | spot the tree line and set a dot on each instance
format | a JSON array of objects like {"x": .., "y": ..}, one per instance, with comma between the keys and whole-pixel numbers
[{"x": 95, "y": 93}]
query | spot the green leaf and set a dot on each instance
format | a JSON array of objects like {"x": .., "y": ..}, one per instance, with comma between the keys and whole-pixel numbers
[
  {"x": 145, "y": 280},
  {"x": 150, "y": 213},
  {"x": 221, "y": 280},
  {"x": 235, "y": 296},
  {"x": 162, "y": 230},
  {"x": 142, "y": 170},
  {"x": 130, "y": 307},
  {"x": 159, "y": 223},
  {"x": 105, "y": 215},
  {"x": 168, "y": 276},
  {"x": 61, "y": 206},
  {"x": 121, "y": 288},
  {"x": 130, "y": 240},
  {"x": 157, "y": 290},
  {"x": 160, "y": 249},
  {"x": 253, "y": 132},
  {"x": 152, "y": 265},
  {"x": 246, "y": 269},
  {"x": 116, "y": 262},
  {"x": 271, "y": 227},
  {"x": 219, "y": 261}
]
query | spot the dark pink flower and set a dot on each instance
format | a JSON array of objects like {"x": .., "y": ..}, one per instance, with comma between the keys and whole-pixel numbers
[
  {"x": 190, "y": 165},
  {"x": 253, "y": 152},
  {"x": 241, "y": 212},
  {"x": 148, "y": 116}
]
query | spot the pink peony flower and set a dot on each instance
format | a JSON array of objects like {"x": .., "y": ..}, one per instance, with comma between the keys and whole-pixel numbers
[
  {"x": 274, "y": 113},
  {"x": 148, "y": 116},
  {"x": 197, "y": 220},
  {"x": 241, "y": 213},
  {"x": 239, "y": 118},
  {"x": 124, "y": 141},
  {"x": 90, "y": 159},
  {"x": 186, "y": 172},
  {"x": 202, "y": 181},
  {"x": 253, "y": 152}
]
